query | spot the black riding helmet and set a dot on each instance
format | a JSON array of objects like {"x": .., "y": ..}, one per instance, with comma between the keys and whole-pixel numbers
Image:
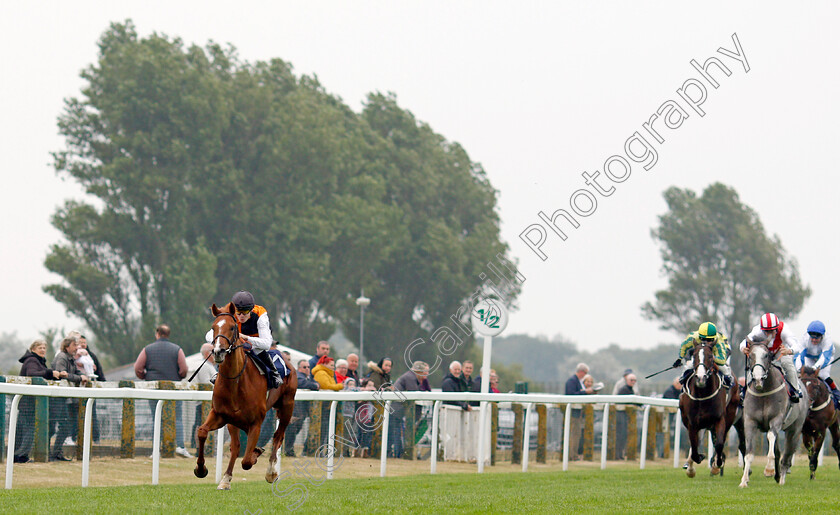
[{"x": 243, "y": 300}]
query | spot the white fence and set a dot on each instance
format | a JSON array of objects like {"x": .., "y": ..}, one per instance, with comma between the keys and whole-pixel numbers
[{"x": 529, "y": 400}]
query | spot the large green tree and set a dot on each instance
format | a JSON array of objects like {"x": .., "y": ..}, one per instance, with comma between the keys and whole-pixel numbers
[
  {"x": 447, "y": 232},
  {"x": 207, "y": 175},
  {"x": 721, "y": 265},
  {"x": 142, "y": 140}
]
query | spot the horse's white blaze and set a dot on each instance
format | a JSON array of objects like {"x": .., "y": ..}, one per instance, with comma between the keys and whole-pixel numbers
[
  {"x": 758, "y": 373},
  {"x": 221, "y": 323}
]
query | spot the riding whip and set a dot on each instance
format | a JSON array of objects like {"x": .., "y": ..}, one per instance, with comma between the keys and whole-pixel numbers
[
  {"x": 660, "y": 372},
  {"x": 199, "y": 368}
]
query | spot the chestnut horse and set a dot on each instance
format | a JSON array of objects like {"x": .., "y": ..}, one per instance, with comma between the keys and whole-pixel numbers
[
  {"x": 706, "y": 404},
  {"x": 822, "y": 415},
  {"x": 240, "y": 402}
]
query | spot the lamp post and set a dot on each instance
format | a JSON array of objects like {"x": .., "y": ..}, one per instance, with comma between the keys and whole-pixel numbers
[{"x": 362, "y": 302}]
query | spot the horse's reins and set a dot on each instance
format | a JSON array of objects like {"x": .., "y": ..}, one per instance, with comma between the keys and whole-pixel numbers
[
  {"x": 688, "y": 392},
  {"x": 767, "y": 372},
  {"x": 231, "y": 346},
  {"x": 765, "y": 394},
  {"x": 824, "y": 404}
]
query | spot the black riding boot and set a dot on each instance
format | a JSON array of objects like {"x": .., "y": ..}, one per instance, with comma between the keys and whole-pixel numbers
[
  {"x": 685, "y": 376},
  {"x": 274, "y": 379},
  {"x": 794, "y": 394},
  {"x": 835, "y": 393}
]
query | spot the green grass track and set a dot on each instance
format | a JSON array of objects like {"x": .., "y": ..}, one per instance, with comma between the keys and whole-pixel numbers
[{"x": 588, "y": 491}]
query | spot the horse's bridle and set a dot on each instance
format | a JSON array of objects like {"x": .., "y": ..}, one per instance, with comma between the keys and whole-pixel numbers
[
  {"x": 709, "y": 369},
  {"x": 231, "y": 345}
]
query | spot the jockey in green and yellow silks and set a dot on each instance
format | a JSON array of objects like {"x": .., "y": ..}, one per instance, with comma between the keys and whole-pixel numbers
[{"x": 707, "y": 333}]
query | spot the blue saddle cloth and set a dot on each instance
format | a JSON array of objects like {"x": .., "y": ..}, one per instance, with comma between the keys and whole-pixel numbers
[{"x": 276, "y": 358}]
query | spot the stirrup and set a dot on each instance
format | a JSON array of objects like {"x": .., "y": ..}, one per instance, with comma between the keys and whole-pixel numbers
[{"x": 794, "y": 395}]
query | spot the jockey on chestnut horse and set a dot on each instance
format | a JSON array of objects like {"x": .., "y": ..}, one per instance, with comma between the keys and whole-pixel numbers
[{"x": 241, "y": 396}]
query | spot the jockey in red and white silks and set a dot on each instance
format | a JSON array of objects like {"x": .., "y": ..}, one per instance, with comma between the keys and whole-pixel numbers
[{"x": 781, "y": 344}]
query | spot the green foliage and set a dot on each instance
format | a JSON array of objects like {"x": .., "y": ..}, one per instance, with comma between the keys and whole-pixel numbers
[
  {"x": 721, "y": 266},
  {"x": 447, "y": 232},
  {"x": 208, "y": 175}
]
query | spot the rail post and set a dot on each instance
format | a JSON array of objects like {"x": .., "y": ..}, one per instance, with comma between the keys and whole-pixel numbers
[{"x": 128, "y": 432}]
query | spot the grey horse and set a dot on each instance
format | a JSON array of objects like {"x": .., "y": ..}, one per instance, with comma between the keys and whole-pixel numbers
[{"x": 768, "y": 409}]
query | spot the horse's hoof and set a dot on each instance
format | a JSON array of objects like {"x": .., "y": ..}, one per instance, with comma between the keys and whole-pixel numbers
[
  {"x": 813, "y": 475},
  {"x": 700, "y": 458},
  {"x": 247, "y": 466},
  {"x": 271, "y": 477},
  {"x": 223, "y": 486},
  {"x": 690, "y": 473},
  {"x": 714, "y": 471},
  {"x": 200, "y": 472},
  {"x": 769, "y": 473},
  {"x": 743, "y": 484}
]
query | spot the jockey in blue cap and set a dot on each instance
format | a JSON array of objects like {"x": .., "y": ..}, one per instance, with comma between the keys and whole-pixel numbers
[{"x": 816, "y": 350}]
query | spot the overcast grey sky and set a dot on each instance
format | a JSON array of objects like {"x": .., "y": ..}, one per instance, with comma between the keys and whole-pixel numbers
[{"x": 537, "y": 92}]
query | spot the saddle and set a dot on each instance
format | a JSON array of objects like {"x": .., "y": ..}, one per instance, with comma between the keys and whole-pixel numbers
[{"x": 279, "y": 363}]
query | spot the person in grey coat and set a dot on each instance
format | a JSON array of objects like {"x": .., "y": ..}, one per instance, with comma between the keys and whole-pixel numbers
[
  {"x": 65, "y": 412},
  {"x": 411, "y": 381},
  {"x": 163, "y": 360}
]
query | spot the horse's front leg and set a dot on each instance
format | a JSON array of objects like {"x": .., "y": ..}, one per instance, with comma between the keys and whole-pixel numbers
[
  {"x": 772, "y": 453},
  {"x": 233, "y": 431},
  {"x": 749, "y": 429},
  {"x": 719, "y": 437},
  {"x": 814, "y": 445},
  {"x": 214, "y": 421},
  {"x": 693, "y": 455}
]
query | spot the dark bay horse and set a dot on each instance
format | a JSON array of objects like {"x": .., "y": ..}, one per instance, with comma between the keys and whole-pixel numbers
[
  {"x": 241, "y": 400},
  {"x": 821, "y": 416},
  {"x": 768, "y": 409},
  {"x": 706, "y": 404}
]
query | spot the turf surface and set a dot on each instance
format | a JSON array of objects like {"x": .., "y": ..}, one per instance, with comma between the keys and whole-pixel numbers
[{"x": 661, "y": 489}]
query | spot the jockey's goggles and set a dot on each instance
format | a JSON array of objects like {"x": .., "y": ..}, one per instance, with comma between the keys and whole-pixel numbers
[
  {"x": 815, "y": 336},
  {"x": 704, "y": 339},
  {"x": 243, "y": 311}
]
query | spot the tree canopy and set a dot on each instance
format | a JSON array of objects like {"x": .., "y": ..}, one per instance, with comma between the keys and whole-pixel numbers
[
  {"x": 721, "y": 266},
  {"x": 208, "y": 174}
]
